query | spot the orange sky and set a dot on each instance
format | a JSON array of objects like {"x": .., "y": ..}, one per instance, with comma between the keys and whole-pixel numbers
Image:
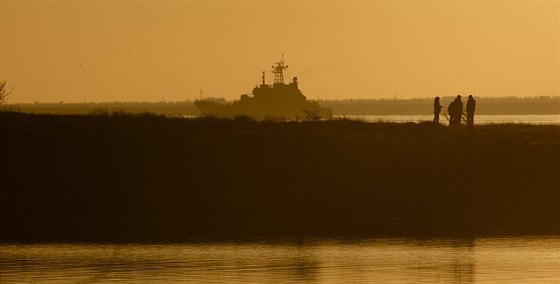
[{"x": 54, "y": 51}]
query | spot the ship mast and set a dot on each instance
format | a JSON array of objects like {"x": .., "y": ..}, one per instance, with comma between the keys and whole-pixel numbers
[{"x": 278, "y": 71}]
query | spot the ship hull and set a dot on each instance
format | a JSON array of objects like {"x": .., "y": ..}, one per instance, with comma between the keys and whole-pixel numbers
[{"x": 305, "y": 110}]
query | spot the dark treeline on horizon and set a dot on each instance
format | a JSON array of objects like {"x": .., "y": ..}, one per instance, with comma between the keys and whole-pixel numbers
[
  {"x": 485, "y": 105},
  {"x": 166, "y": 108},
  {"x": 542, "y": 105}
]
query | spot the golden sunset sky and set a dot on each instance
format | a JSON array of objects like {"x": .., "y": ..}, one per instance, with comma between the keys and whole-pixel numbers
[{"x": 99, "y": 51}]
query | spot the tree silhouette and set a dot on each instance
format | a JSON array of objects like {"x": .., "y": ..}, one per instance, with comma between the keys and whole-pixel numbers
[{"x": 4, "y": 92}]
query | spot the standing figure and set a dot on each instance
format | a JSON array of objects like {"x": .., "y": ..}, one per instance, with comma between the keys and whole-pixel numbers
[
  {"x": 455, "y": 110},
  {"x": 437, "y": 109},
  {"x": 451, "y": 112},
  {"x": 459, "y": 110},
  {"x": 471, "y": 105}
]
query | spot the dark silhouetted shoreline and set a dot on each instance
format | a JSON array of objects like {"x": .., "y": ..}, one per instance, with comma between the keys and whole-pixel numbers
[{"x": 150, "y": 178}]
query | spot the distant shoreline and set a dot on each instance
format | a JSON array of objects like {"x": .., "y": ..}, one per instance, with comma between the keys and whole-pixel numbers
[
  {"x": 544, "y": 105},
  {"x": 152, "y": 178}
]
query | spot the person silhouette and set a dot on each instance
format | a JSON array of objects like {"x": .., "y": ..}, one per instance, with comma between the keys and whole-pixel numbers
[
  {"x": 455, "y": 110},
  {"x": 437, "y": 109},
  {"x": 471, "y": 105},
  {"x": 458, "y": 110},
  {"x": 451, "y": 111}
]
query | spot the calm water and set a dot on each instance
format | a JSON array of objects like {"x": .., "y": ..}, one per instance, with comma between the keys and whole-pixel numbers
[
  {"x": 482, "y": 260},
  {"x": 479, "y": 119}
]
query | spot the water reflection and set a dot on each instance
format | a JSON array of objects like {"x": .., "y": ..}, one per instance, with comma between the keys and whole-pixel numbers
[
  {"x": 479, "y": 119},
  {"x": 315, "y": 260}
]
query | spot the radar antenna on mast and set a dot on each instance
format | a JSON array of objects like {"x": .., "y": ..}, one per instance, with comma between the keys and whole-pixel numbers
[{"x": 278, "y": 71}]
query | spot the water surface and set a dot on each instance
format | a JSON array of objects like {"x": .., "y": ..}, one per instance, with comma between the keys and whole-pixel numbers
[
  {"x": 309, "y": 260},
  {"x": 479, "y": 119}
]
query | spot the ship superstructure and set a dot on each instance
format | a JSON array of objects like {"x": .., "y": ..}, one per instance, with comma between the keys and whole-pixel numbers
[{"x": 279, "y": 100}]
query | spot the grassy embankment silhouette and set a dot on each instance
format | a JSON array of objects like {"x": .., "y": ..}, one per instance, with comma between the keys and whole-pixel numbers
[{"x": 151, "y": 178}]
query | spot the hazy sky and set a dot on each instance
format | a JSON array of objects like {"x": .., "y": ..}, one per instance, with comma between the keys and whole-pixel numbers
[{"x": 54, "y": 51}]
